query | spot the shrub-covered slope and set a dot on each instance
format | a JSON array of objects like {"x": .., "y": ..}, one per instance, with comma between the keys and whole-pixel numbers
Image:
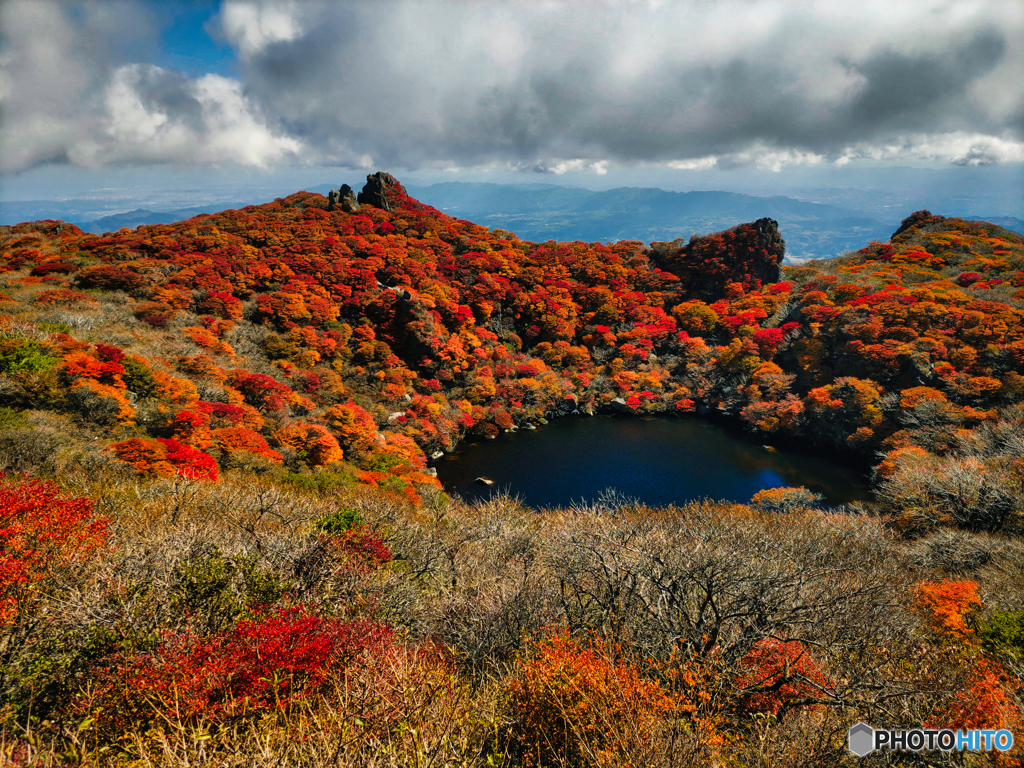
[
  {"x": 287, "y": 330},
  {"x": 245, "y": 559}
]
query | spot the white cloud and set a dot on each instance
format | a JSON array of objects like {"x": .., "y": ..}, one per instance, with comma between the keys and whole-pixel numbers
[
  {"x": 233, "y": 131},
  {"x": 695, "y": 164},
  {"x": 957, "y": 148},
  {"x": 542, "y": 86},
  {"x": 251, "y": 27}
]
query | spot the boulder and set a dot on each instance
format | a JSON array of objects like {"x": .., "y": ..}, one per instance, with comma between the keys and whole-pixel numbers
[
  {"x": 483, "y": 481},
  {"x": 619, "y": 405},
  {"x": 347, "y": 199},
  {"x": 332, "y": 200},
  {"x": 402, "y": 293},
  {"x": 382, "y": 190}
]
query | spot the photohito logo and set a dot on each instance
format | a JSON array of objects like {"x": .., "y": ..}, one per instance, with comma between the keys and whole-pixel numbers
[{"x": 863, "y": 739}]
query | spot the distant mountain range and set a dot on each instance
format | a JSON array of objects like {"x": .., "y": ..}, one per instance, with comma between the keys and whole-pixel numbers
[
  {"x": 1007, "y": 222},
  {"x": 542, "y": 212},
  {"x": 141, "y": 216}
]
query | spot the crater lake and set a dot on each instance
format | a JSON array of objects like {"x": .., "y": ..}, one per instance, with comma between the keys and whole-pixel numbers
[{"x": 657, "y": 460}]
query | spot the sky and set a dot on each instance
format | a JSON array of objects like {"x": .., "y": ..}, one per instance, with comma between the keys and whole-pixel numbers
[{"x": 224, "y": 97}]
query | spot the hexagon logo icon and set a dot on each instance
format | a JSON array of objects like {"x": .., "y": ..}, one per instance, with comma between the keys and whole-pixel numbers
[{"x": 861, "y": 739}]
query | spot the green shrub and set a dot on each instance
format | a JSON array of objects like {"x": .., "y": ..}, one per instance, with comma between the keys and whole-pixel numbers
[
  {"x": 54, "y": 327},
  {"x": 344, "y": 519},
  {"x": 11, "y": 419},
  {"x": 1003, "y": 633},
  {"x": 18, "y": 355},
  {"x": 384, "y": 462},
  {"x": 212, "y": 591},
  {"x": 138, "y": 378}
]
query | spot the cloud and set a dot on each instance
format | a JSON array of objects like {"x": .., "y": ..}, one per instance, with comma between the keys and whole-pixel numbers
[
  {"x": 69, "y": 97},
  {"x": 763, "y": 85},
  {"x": 542, "y": 87},
  {"x": 252, "y": 27}
]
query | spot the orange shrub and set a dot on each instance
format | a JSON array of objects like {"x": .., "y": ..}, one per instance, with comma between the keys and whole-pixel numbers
[
  {"x": 775, "y": 675},
  {"x": 950, "y": 603},
  {"x": 235, "y": 439},
  {"x": 175, "y": 390},
  {"x": 351, "y": 423},
  {"x": 96, "y": 399},
  {"x": 572, "y": 700},
  {"x": 987, "y": 703},
  {"x": 319, "y": 445}
]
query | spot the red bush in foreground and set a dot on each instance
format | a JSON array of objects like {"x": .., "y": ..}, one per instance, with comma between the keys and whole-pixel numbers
[
  {"x": 268, "y": 662},
  {"x": 43, "y": 535}
]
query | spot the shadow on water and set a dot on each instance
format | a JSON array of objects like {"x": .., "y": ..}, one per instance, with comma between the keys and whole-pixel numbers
[{"x": 656, "y": 460}]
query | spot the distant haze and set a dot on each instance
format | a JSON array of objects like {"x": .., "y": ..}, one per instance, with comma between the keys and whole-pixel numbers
[{"x": 151, "y": 104}]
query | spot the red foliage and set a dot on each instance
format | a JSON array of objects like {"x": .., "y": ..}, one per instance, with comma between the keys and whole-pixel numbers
[
  {"x": 363, "y": 549},
  {"x": 769, "y": 339},
  {"x": 165, "y": 457},
  {"x": 110, "y": 354},
  {"x": 987, "y": 703},
  {"x": 43, "y": 533},
  {"x": 269, "y": 662},
  {"x": 261, "y": 391},
  {"x": 776, "y": 674},
  {"x": 110, "y": 278},
  {"x": 188, "y": 461}
]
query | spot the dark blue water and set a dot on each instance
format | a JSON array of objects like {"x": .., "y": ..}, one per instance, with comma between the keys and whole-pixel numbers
[{"x": 656, "y": 460}]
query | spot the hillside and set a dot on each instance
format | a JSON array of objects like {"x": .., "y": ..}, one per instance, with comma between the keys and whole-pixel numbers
[{"x": 252, "y": 398}]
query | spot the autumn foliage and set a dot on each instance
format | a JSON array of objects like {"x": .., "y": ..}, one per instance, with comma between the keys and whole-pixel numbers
[
  {"x": 576, "y": 700},
  {"x": 271, "y": 661},
  {"x": 402, "y": 322},
  {"x": 950, "y": 604},
  {"x": 277, "y": 376},
  {"x": 44, "y": 535}
]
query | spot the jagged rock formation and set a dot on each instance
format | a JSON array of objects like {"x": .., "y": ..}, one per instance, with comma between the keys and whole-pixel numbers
[
  {"x": 347, "y": 198},
  {"x": 749, "y": 254},
  {"x": 381, "y": 191}
]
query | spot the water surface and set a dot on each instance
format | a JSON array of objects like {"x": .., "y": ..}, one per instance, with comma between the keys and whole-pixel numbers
[{"x": 657, "y": 460}]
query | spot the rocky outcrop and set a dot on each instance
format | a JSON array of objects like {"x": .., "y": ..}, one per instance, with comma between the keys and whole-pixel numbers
[
  {"x": 748, "y": 254},
  {"x": 347, "y": 199},
  {"x": 382, "y": 190},
  {"x": 917, "y": 219},
  {"x": 344, "y": 198}
]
